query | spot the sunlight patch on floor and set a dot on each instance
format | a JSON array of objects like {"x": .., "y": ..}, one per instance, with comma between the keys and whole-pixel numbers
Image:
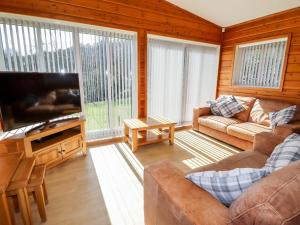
[
  {"x": 120, "y": 171},
  {"x": 205, "y": 150},
  {"x": 121, "y": 189},
  {"x": 132, "y": 160}
]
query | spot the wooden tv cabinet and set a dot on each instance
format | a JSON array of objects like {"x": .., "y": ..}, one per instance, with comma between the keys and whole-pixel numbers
[{"x": 62, "y": 141}]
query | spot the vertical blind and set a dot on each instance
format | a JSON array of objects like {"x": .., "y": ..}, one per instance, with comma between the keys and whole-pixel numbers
[
  {"x": 200, "y": 77},
  {"x": 108, "y": 70},
  {"x": 31, "y": 46},
  {"x": 260, "y": 64},
  {"x": 105, "y": 61},
  {"x": 180, "y": 77},
  {"x": 165, "y": 75}
]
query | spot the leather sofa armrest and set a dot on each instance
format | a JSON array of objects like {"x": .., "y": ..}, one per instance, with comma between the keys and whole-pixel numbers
[
  {"x": 197, "y": 112},
  {"x": 287, "y": 129},
  {"x": 169, "y": 198},
  {"x": 265, "y": 142}
]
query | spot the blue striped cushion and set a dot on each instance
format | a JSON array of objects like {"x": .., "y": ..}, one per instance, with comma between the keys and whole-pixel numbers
[
  {"x": 226, "y": 186},
  {"x": 213, "y": 105},
  {"x": 229, "y": 107},
  {"x": 283, "y": 116},
  {"x": 284, "y": 153}
]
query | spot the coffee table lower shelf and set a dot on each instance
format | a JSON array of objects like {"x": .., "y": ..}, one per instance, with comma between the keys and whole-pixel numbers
[{"x": 150, "y": 138}]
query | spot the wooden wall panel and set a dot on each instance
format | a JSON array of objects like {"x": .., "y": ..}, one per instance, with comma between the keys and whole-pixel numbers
[
  {"x": 143, "y": 16},
  {"x": 287, "y": 22},
  {"x": 142, "y": 71}
]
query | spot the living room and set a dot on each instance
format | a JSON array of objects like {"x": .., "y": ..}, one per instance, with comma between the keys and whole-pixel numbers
[{"x": 149, "y": 112}]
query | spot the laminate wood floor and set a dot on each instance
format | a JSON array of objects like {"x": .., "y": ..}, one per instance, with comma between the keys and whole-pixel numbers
[{"x": 106, "y": 186}]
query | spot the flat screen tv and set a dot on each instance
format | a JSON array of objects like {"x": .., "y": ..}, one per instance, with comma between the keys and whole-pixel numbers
[{"x": 29, "y": 98}]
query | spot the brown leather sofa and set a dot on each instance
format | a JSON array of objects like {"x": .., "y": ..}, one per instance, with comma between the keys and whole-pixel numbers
[
  {"x": 240, "y": 130},
  {"x": 170, "y": 199}
]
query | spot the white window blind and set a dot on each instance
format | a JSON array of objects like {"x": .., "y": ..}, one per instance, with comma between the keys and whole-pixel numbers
[
  {"x": 32, "y": 46},
  {"x": 180, "y": 77},
  {"x": 105, "y": 60},
  {"x": 260, "y": 64},
  {"x": 19, "y": 45},
  {"x": 108, "y": 71}
]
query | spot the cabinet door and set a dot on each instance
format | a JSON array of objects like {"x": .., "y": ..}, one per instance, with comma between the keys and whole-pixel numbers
[
  {"x": 49, "y": 155},
  {"x": 71, "y": 146}
]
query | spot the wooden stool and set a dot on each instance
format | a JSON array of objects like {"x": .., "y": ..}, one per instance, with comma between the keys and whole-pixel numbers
[
  {"x": 37, "y": 187},
  {"x": 18, "y": 187}
]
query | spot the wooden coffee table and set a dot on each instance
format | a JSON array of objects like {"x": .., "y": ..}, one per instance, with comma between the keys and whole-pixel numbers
[{"x": 150, "y": 130}]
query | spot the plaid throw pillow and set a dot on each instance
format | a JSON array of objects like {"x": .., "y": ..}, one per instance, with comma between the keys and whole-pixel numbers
[
  {"x": 283, "y": 116},
  {"x": 226, "y": 186},
  {"x": 229, "y": 107},
  {"x": 284, "y": 153},
  {"x": 213, "y": 106}
]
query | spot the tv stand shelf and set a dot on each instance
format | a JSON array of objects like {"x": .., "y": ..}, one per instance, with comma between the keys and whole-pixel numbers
[
  {"x": 68, "y": 134},
  {"x": 51, "y": 145}
]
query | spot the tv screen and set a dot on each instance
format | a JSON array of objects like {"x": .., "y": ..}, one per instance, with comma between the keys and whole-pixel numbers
[{"x": 28, "y": 98}]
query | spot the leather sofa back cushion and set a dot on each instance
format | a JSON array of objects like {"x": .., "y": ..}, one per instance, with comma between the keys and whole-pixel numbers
[
  {"x": 273, "y": 200},
  {"x": 247, "y": 103},
  {"x": 261, "y": 109}
]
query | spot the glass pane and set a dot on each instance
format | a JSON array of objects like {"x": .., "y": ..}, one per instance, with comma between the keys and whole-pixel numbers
[
  {"x": 165, "y": 79},
  {"x": 180, "y": 77},
  {"x": 107, "y": 79},
  {"x": 19, "y": 45},
  {"x": 58, "y": 50},
  {"x": 260, "y": 65}
]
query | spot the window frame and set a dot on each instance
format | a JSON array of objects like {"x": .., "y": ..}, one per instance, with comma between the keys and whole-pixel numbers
[{"x": 284, "y": 66}]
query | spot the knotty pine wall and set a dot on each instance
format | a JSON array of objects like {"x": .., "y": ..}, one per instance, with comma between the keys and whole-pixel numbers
[
  {"x": 143, "y": 16},
  {"x": 287, "y": 22}
]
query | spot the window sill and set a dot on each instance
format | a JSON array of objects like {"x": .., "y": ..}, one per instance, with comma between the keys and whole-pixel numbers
[{"x": 253, "y": 89}]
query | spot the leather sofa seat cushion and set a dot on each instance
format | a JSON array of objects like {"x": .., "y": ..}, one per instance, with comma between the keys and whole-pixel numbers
[
  {"x": 261, "y": 109},
  {"x": 248, "y": 159},
  {"x": 217, "y": 122},
  {"x": 246, "y": 131},
  {"x": 272, "y": 200}
]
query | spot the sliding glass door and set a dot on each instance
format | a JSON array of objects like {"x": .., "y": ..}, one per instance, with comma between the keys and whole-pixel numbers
[
  {"x": 165, "y": 75},
  {"x": 200, "y": 78},
  {"x": 180, "y": 76},
  {"x": 105, "y": 61},
  {"x": 108, "y": 71}
]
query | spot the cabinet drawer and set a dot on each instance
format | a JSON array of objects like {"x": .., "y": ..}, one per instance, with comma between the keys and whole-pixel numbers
[
  {"x": 71, "y": 145},
  {"x": 49, "y": 155}
]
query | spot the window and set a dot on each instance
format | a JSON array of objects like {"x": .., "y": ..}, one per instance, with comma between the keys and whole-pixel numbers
[
  {"x": 108, "y": 69},
  {"x": 260, "y": 64},
  {"x": 105, "y": 61},
  {"x": 181, "y": 75},
  {"x": 29, "y": 46}
]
